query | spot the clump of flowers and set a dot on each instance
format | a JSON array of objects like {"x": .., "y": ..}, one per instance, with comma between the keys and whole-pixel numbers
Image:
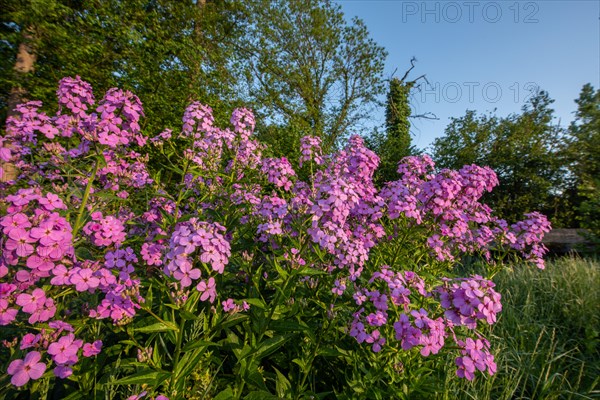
[
  {"x": 397, "y": 308},
  {"x": 105, "y": 231},
  {"x": 98, "y": 254},
  {"x": 206, "y": 238}
]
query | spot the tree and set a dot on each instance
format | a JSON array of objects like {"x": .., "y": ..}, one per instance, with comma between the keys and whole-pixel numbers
[
  {"x": 309, "y": 71},
  {"x": 168, "y": 52},
  {"x": 525, "y": 150},
  {"x": 395, "y": 143},
  {"x": 584, "y": 152}
]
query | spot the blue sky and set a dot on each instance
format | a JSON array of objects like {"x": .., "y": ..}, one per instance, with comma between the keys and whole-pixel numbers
[{"x": 485, "y": 55}]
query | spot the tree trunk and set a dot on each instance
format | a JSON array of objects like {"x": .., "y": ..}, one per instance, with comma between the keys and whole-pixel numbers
[
  {"x": 196, "y": 63},
  {"x": 25, "y": 64}
]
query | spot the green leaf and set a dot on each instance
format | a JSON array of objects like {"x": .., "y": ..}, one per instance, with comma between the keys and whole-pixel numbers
[
  {"x": 188, "y": 315},
  {"x": 158, "y": 327},
  {"x": 197, "y": 343},
  {"x": 83, "y": 253},
  {"x": 226, "y": 394},
  {"x": 147, "y": 376},
  {"x": 233, "y": 320},
  {"x": 257, "y": 380},
  {"x": 76, "y": 395},
  {"x": 329, "y": 352},
  {"x": 288, "y": 326},
  {"x": 282, "y": 384},
  {"x": 311, "y": 271},
  {"x": 302, "y": 364},
  {"x": 269, "y": 346},
  {"x": 260, "y": 395},
  {"x": 256, "y": 302}
]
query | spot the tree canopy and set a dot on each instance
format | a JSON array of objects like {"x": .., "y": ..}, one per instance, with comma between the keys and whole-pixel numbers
[
  {"x": 167, "y": 52},
  {"x": 584, "y": 155},
  {"x": 525, "y": 150},
  {"x": 310, "y": 72}
]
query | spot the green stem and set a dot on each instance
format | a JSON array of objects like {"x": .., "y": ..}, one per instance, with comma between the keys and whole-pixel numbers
[
  {"x": 86, "y": 196},
  {"x": 177, "y": 354},
  {"x": 276, "y": 303},
  {"x": 314, "y": 354},
  {"x": 149, "y": 311},
  {"x": 181, "y": 191}
]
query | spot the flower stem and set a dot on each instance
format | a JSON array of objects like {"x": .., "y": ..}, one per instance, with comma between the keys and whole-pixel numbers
[{"x": 86, "y": 196}]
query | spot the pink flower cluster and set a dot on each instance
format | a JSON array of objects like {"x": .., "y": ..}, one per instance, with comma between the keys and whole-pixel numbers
[
  {"x": 123, "y": 171},
  {"x": 271, "y": 212},
  {"x": 197, "y": 119},
  {"x": 62, "y": 349},
  {"x": 70, "y": 133},
  {"x": 338, "y": 214},
  {"x": 33, "y": 235},
  {"x": 211, "y": 144},
  {"x": 449, "y": 202},
  {"x": 528, "y": 235},
  {"x": 229, "y": 306},
  {"x": 344, "y": 206},
  {"x": 75, "y": 95},
  {"x": 120, "y": 112},
  {"x": 403, "y": 294},
  {"x": 278, "y": 171},
  {"x": 310, "y": 150},
  {"x": 243, "y": 122},
  {"x": 475, "y": 356},
  {"x": 468, "y": 300},
  {"x": 105, "y": 231},
  {"x": 191, "y": 236}
]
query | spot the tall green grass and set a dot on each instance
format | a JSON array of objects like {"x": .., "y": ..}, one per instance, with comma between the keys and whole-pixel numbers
[{"x": 547, "y": 339}]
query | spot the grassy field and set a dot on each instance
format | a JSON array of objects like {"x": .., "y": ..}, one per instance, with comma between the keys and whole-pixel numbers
[{"x": 547, "y": 339}]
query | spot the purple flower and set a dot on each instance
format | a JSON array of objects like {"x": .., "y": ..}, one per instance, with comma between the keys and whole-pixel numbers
[
  {"x": 64, "y": 351},
  {"x": 29, "y": 340},
  {"x": 92, "y": 349},
  {"x": 228, "y": 305},
  {"x": 84, "y": 279},
  {"x": 20, "y": 241},
  {"x": 185, "y": 274},
  {"x": 63, "y": 371},
  {"x": 339, "y": 288},
  {"x": 31, "y": 302},
  {"x": 138, "y": 396},
  {"x": 61, "y": 326},
  {"x": 29, "y": 368},
  {"x": 208, "y": 290},
  {"x": 310, "y": 148},
  {"x": 466, "y": 368},
  {"x": 278, "y": 171},
  {"x": 357, "y": 331},
  {"x": 377, "y": 340},
  {"x": 7, "y": 315}
]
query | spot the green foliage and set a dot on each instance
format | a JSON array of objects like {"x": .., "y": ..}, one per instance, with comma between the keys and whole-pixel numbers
[
  {"x": 395, "y": 143},
  {"x": 168, "y": 52},
  {"x": 302, "y": 67},
  {"x": 584, "y": 154},
  {"x": 310, "y": 71},
  {"x": 548, "y": 335},
  {"x": 525, "y": 150}
]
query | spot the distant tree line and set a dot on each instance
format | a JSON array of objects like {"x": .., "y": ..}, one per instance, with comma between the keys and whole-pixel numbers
[{"x": 540, "y": 165}]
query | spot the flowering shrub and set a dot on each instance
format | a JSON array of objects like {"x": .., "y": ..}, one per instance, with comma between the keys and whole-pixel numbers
[{"x": 229, "y": 276}]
